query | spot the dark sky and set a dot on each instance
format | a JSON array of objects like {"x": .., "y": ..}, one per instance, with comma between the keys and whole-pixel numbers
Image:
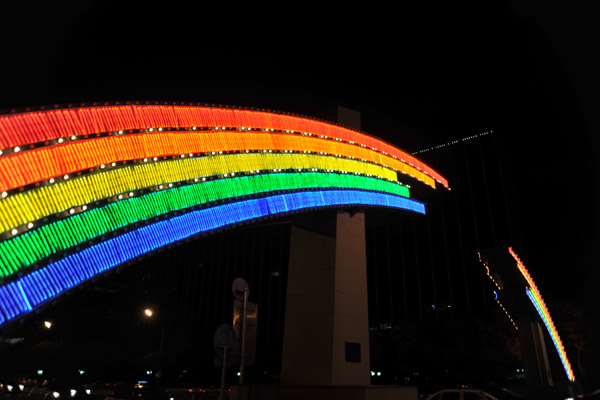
[{"x": 420, "y": 75}]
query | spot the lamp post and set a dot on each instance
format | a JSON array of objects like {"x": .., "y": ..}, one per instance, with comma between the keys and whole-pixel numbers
[{"x": 149, "y": 313}]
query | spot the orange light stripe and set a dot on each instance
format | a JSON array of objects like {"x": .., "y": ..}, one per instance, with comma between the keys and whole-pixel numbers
[
  {"x": 21, "y": 169},
  {"x": 26, "y": 128}
]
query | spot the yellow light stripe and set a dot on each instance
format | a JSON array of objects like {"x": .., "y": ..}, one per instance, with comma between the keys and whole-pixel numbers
[{"x": 38, "y": 203}]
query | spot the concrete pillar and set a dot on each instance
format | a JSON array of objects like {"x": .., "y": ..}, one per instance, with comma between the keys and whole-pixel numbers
[
  {"x": 326, "y": 336},
  {"x": 534, "y": 354}
]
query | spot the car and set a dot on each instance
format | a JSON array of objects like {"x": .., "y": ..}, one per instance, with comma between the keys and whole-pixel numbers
[
  {"x": 13, "y": 386},
  {"x": 461, "y": 394}
]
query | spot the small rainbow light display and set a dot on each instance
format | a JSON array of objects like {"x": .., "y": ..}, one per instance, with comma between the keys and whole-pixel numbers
[
  {"x": 536, "y": 298},
  {"x": 89, "y": 188}
]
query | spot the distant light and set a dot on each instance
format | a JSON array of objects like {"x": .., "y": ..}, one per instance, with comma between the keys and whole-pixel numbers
[
  {"x": 21, "y": 387},
  {"x": 372, "y": 373},
  {"x": 148, "y": 312},
  {"x": 81, "y": 372},
  {"x": 40, "y": 371},
  {"x": 48, "y": 325},
  {"x": 56, "y": 395},
  {"x": 239, "y": 373},
  {"x": 378, "y": 373},
  {"x": 73, "y": 392},
  {"x": 148, "y": 372},
  {"x": 88, "y": 391}
]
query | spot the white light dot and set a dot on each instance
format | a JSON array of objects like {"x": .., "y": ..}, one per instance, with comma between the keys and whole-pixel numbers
[
  {"x": 30, "y": 225},
  {"x": 73, "y": 137},
  {"x": 17, "y": 149},
  {"x": 120, "y": 196},
  {"x": 150, "y": 129},
  {"x": 60, "y": 140},
  {"x": 102, "y": 166},
  {"x": 4, "y": 194},
  {"x": 130, "y": 194},
  {"x": 84, "y": 208},
  {"x": 51, "y": 180},
  {"x": 66, "y": 176},
  {"x": 14, "y": 231},
  {"x": 72, "y": 210}
]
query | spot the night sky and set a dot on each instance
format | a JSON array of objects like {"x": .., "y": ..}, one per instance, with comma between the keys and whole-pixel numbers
[{"x": 420, "y": 75}]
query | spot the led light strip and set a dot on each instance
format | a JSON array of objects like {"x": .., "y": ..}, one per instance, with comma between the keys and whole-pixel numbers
[
  {"x": 52, "y": 239},
  {"x": 32, "y": 290},
  {"x": 62, "y": 160},
  {"x": 21, "y": 210},
  {"x": 487, "y": 270},
  {"x": 536, "y": 298},
  {"x": 20, "y": 131}
]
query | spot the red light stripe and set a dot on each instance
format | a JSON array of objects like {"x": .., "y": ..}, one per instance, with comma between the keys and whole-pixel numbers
[{"x": 33, "y": 127}]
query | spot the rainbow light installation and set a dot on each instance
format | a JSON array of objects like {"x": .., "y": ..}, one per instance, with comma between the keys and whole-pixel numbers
[
  {"x": 536, "y": 298},
  {"x": 89, "y": 188}
]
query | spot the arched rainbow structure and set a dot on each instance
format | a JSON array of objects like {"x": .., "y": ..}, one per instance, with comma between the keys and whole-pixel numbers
[
  {"x": 85, "y": 189},
  {"x": 535, "y": 297}
]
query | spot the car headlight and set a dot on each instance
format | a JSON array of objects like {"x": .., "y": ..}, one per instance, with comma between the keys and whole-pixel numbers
[
  {"x": 73, "y": 392},
  {"x": 88, "y": 391},
  {"x": 21, "y": 387},
  {"x": 56, "y": 395},
  {"x": 9, "y": 387}
]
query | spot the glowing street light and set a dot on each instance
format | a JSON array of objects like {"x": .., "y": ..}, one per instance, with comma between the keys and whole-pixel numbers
[
  {"x": 148, "y": 312},
  {"x": 48, "y": 324}
]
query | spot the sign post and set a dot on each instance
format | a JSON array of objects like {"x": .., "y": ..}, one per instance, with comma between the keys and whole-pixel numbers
[
  {"x": 224, "y": 339},
  {"x": 240, "y": 290}
]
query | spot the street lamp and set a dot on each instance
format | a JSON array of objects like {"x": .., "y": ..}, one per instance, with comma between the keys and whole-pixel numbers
[
  {"x": 48, "y": 324},
  {"x": 148, "y": 312}
]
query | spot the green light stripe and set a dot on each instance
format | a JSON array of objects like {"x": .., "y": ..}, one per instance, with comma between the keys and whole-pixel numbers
[{"x": 30, "y": 247}]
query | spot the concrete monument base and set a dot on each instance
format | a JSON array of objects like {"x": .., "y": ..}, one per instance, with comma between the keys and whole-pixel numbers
[{"x": 293, "y": 392}]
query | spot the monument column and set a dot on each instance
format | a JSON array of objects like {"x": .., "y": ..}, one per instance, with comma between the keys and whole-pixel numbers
[{"x": 326, "y": 336}]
